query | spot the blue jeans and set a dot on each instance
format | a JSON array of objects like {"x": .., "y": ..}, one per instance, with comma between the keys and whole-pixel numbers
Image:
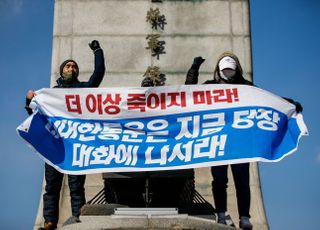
[{"x": 52, "y": 195}]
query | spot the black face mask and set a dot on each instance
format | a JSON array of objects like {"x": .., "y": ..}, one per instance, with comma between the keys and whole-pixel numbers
[{"x": 228, "y": 75}]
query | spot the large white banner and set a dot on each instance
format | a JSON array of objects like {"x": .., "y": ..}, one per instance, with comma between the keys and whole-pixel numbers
[{"x": 95, "y": 130}]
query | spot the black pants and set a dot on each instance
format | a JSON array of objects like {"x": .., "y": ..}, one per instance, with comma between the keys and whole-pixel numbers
[
  {"x": 241, "y": 179},
  {"x": 52, "y": 195}
]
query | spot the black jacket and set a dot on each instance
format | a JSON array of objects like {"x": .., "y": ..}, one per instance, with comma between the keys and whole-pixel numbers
[
  {"x": 193, "y": 74},
  {"x": 94, "y": 81}
]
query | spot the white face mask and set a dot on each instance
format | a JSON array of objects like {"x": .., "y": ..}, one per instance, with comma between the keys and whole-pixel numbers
[{"x": 228, "y": 75}]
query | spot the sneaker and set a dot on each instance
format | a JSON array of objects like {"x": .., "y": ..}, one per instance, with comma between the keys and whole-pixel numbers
[
  {"x": 229, "y": 221},
  {"x": 50, "y": 225},
  {"x": 221, "y": 218},
  {"x": 71, "y": 220},
  {"x": 245, "y": 223}
]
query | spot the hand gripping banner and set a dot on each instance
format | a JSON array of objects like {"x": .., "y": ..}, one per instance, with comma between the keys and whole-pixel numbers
[{"x": 80, "y": 131}]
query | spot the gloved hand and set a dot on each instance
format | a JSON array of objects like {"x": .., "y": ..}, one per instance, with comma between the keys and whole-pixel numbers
[
  {"x": 197, "y": 61},
  {"x": 160, "y": 80},
  {"x": 299, "y": 107},
  {"x": 94, "y": 45},
  {"x": 147, "y": 82}
]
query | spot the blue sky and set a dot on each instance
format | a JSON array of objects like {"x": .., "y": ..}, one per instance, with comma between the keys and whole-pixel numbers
[{"x": 285, "y": 43}]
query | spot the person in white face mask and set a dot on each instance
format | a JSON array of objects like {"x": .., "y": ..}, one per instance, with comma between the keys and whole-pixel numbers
[{"x": 227, "y": 71}]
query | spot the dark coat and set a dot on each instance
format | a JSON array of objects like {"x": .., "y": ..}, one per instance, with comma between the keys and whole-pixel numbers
[
  {"x": 193, "y": 73},
  {"x": 94, "y": 81}
]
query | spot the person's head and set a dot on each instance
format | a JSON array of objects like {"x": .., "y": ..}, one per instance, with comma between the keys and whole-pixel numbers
[
  {"x": 228, "y": 68},
  {"x": 69, "y": 70}
]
